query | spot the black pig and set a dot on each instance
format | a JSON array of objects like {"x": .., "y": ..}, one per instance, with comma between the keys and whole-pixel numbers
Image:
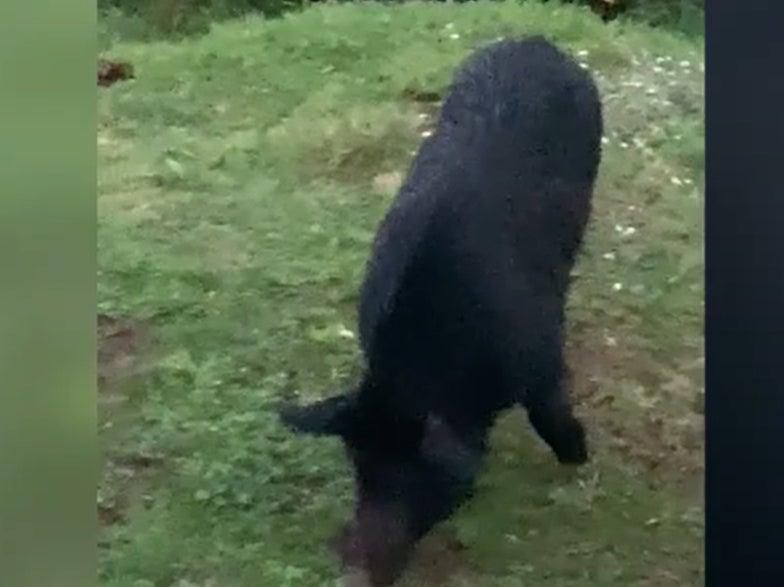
[{"x": 462, "y": 307}]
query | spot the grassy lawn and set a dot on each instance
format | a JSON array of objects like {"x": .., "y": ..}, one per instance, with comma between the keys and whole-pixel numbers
[{"x": 241, "y": 177}]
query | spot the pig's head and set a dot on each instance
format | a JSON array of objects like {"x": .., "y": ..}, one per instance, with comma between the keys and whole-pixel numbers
[{"x": 410, "y": 475}]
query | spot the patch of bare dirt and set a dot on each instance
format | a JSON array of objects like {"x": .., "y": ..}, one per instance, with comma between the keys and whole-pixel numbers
[
  {"x": 120, "y": 345},
  {"x": 387, "y": 183},
  {"x": 646, "y": 411},
  {"x": 123, "y": 352},
  {"x": 129, "y": 477},
  {"x": 438, "y": 561},
  {"x": 665, "y": 578},
  {"x": 108, "y": 515}
]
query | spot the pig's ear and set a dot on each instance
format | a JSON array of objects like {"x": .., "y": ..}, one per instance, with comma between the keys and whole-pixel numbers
[{"x": 334, "y": 416}]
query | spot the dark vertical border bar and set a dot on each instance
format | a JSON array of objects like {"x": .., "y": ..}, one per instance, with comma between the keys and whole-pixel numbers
[{"x": 744, "y": 292}]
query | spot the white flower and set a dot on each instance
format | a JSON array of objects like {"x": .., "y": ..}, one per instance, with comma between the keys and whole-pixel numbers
[
  {"x": 624, "y": 145},
  {"x": 454, "y": 36},
  {"x": 609, "y": 256},
  {"x": 629, "y": 231},
  {"x": 584, "y": 65},
  {"x": 684, "y": 63},
  {"x": 582, "y": 53},
  {"x": 427, "y": 133},
  {"x": 605, "y": 140},
  {"x": 676, "y": 181},
  {"x": 617, "y": 286}
]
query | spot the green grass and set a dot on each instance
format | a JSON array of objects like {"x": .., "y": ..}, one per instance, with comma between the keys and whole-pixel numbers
[{"x": 241, "y": 177}]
